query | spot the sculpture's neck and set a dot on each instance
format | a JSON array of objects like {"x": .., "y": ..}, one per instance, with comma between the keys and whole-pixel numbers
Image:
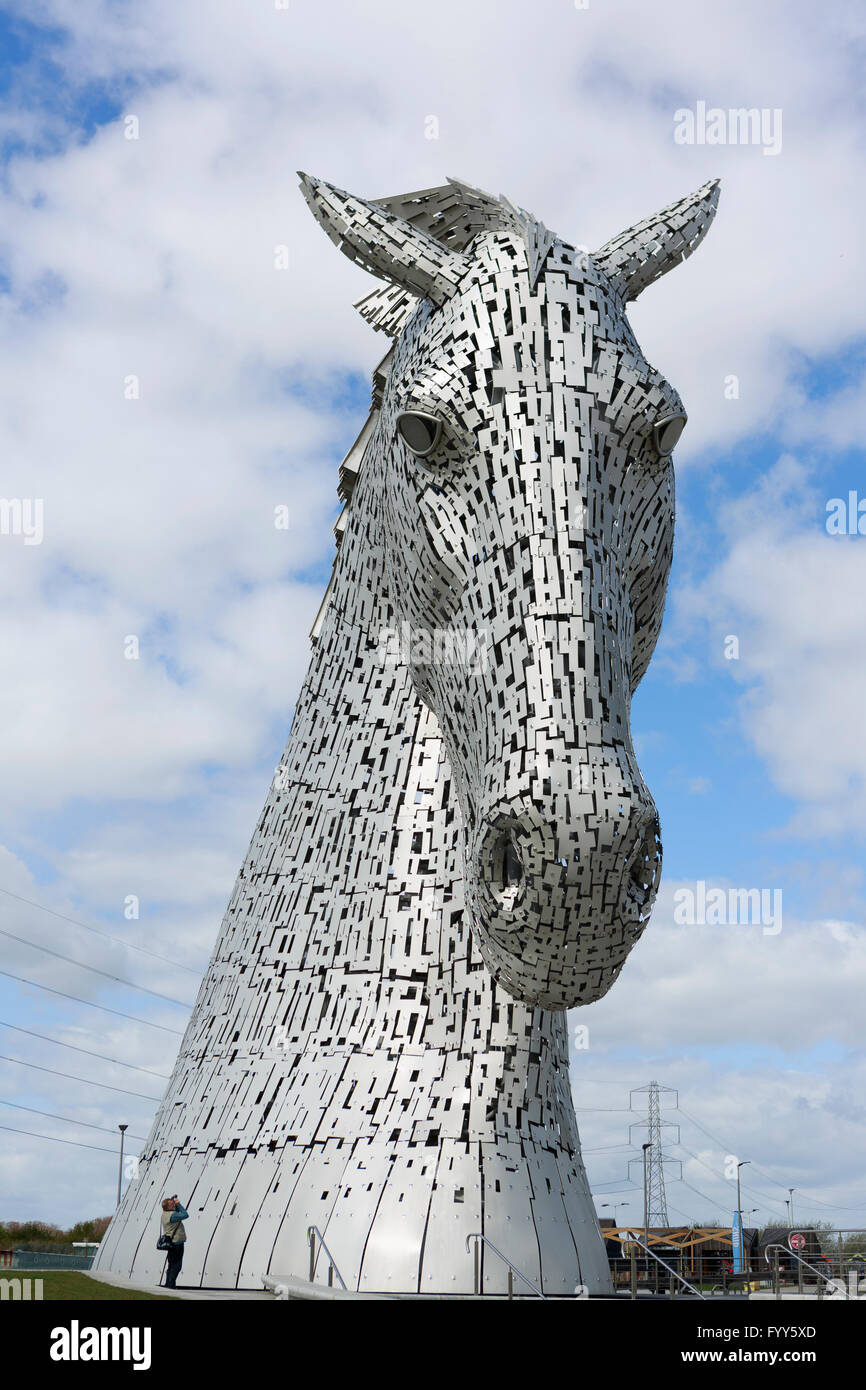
[
  {"x": 362, "y": 743},
  {"x": 364, "y": 797},
  {"x": 352, "y": 891},
  {"x": 353, "y": 864}
]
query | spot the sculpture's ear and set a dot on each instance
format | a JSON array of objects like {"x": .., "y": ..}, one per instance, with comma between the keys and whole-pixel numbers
[
  {"x": 384, "y": 243},
  {"x": 644, "y": 253}
]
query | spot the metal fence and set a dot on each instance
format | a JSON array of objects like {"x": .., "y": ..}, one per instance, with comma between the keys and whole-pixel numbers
[
  {"x": 47, "y": 1259},
  {"x": 838, "y": 1255}
]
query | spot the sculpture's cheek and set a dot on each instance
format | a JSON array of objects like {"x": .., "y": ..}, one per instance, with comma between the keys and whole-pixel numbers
[{"x": 428, "y": 566}]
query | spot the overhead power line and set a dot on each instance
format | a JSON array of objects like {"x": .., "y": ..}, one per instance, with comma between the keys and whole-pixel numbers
[
  {"x": 713, "y": 1201},
  {"x": 65, "y": 1118},
  {"x": 767, "y": 1201},
  {"x": 117, "y": 979},
  {"x": 99, "y": 1148},
  {"x": 603, "y": 1109},
  {"x": 678, "y": 1212},
  {"x": 104, "y": 1007},
  {"x": 163, "y": 1076},
  {"x": 834, "y": 1206},
  {"x": 85, "y": 1080},
  {"x": 764, "y": 1198},
  {"x": 107, "y": 936}
]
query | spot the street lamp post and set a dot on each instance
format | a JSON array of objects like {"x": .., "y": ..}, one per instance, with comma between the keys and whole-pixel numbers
[
  {"x": 791, "y": 1191},
  {"x": 645, "y": 1197},
  {"x": 646, "y": 1207},
  {"x": 123, "y": 1129},
  {"x": 740, "y": 1165}
]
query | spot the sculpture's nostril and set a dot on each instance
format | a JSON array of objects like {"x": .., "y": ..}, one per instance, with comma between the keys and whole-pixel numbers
[
  {"x": 512, "y": 869},
  {"x": 507, "y": 871},
  {"x": 643, "y": 869}
]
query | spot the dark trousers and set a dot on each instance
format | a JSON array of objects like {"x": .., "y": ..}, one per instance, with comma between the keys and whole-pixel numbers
[{"x": 175, "y": 1260}]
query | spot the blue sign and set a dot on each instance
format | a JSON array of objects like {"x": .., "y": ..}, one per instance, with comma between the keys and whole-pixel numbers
[{"x": 736, "y": 1242}]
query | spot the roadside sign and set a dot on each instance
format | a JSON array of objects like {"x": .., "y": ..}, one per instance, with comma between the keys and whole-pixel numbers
[
  {"x": 737, "y": 1251},
  {"x": 797, "y": 1241}
]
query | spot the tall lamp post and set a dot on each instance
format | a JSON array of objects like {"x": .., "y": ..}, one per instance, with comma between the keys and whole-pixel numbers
[
  {"x": 123, "y": 1129},
  {"x": 740, "y": 1165},
  {"x": 791, "y": 1192},
  {"x": 645, "y": 1196}
]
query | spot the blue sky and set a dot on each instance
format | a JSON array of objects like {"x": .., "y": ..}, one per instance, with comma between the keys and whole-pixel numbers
[
  {"x": 155, "y": 257},
  {"x": 34, "y": 78}
]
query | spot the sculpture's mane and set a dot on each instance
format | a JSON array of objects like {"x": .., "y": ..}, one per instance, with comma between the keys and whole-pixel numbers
[{"x": 455, "y": 213}]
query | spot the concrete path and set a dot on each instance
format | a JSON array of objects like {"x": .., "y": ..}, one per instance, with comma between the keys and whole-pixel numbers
[{"x": 121, "y": 1282}]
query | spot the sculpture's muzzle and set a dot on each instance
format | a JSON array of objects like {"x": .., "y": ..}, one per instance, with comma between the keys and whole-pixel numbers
[{"x": 557, "y": 903}]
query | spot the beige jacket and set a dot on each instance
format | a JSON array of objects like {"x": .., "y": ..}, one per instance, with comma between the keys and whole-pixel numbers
[{"x": 175, "y": 1230}]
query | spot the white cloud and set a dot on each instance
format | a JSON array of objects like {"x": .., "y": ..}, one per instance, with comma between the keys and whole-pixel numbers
[
  {"x": 718, "y": 986},
  {"x": 788, "y": 591}
]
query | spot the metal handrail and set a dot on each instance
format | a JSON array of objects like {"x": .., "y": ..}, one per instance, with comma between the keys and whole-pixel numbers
[
  {"x": 668, "y": 1267},
  {"x": 512, "y": 1268},
  {"x": 312, "y": 1233},
  {"x": 828, "y": 1279}
]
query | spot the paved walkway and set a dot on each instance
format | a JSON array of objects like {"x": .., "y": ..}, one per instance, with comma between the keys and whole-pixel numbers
[
  {"x": 121, "y": 1282},
  {"x": 289, "y": 1287}
]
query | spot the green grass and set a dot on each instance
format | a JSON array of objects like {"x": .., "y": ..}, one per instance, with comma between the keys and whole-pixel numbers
[{"x": 79, "y": 1288}]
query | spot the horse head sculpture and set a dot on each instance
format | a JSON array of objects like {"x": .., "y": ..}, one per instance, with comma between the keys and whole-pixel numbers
[
  {"x": 354, "y": 1070},
  {"x": 521, "y": 451}
]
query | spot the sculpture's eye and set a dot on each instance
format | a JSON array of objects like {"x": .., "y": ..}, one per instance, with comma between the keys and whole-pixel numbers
[
  {"x": 666, "y": 433},
  {"x": 419, "y": 430}
]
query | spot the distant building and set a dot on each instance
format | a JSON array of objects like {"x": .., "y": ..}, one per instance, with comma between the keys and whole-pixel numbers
[{"x": 690, "y": 1250}]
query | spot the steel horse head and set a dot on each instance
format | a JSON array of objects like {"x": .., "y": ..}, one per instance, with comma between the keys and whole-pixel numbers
[{"x": 522, "y": 454}]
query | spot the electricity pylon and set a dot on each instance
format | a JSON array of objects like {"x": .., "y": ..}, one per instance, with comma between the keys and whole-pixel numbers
[{"x": 654, "y": 1195}]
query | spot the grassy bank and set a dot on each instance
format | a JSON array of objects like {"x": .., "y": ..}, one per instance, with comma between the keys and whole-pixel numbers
[{"x": 73, "y": 1287}]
